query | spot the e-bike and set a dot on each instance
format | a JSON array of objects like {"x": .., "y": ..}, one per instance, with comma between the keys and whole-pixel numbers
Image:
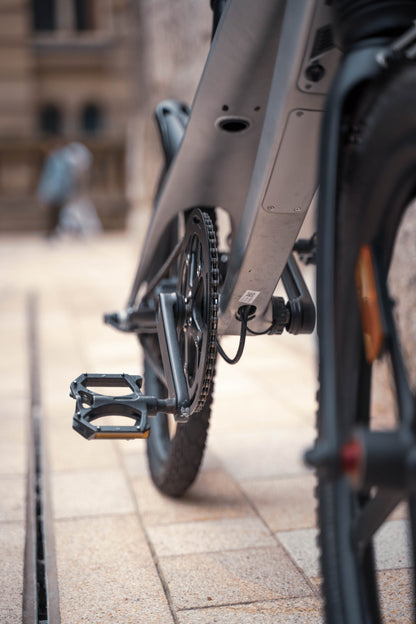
[{"x": 298, "y": 100}]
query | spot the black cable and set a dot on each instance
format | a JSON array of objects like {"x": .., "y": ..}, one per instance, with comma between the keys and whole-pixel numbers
[
  {"x": 266, "y": 331},
  {"x": 244, "y": 313}
]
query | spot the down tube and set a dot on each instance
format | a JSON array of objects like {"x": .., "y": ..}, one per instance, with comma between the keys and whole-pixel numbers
[{"x": 284, "y": 179}]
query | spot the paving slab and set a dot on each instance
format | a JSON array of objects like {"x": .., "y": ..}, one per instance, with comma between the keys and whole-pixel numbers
[
  {"x": 272, "y": 452},
  {"x": 12, "y": 499},
  {"x": 13, "y": 443},
  {"x": 12, "y": 544},
  {"x": 294, "y": 611},
  {"x": 205, "y": 580},
  {"x": 106, "y": 573},
  {"x": 210, "y": 536},
  {"x": 283, "y": 504},
  {"x": 396, "y": 595},
  {"x": 303, "y": 548},
  {"x": 393, "y": 545},
  {"x": 13, "y": 341},
  {"x": 68, "y": 451},
  {"x": 271, "y": 394},
  {"x": 214, "y": 496},
  {"x": 90, "y": 493}
]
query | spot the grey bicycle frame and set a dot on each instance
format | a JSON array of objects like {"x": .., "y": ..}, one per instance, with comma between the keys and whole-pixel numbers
[{"x": 251, "y": 145}]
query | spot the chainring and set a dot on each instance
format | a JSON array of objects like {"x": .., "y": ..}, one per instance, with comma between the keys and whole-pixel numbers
[{"x": 197, "y": 289}]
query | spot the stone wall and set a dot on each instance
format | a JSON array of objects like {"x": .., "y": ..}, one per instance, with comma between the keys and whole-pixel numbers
[{"x": 172, "y": 45}]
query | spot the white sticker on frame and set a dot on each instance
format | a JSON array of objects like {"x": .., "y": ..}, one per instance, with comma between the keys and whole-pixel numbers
[{"x": 249, "y": 297}]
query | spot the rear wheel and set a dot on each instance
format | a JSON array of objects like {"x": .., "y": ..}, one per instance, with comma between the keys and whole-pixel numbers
[
  {"x": 174, "y": 450},
  {"x": 375, "y": 356}
]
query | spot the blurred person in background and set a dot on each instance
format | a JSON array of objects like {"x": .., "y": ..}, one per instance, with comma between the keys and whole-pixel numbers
[{"x": 64, "y": 189}]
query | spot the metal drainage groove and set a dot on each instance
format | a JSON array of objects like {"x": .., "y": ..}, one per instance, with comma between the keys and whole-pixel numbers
[{"x": 40, "y": 588}]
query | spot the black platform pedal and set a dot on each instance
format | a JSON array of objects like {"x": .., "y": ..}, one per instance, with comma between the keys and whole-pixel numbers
[{"x": 92, "y": 405}]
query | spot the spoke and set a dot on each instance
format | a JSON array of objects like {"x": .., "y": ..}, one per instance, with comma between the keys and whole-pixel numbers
[
  {"x": 187, "y": 354},
  {"x": 184, "y": 277},
  {"x": 198, "y": 335},
  {"x": 196, "y": 286},
  {"x": 195, "y": 332},
  {"x": 197, "y": 312},
  {"x": 194, "y": 338},
  {"x": 192, "y": 267}
]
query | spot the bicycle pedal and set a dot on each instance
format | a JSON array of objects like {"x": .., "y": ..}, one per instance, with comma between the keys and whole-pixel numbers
[{"x": 92, "y": 405}]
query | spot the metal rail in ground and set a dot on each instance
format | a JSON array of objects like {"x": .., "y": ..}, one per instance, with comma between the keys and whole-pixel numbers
[{"x": 40, "y": 588}]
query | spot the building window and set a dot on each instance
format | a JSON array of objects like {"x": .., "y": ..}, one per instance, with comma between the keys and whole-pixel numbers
[
  {"x": 63, "y": 15},
  {"x": 50, "y": 120},
  {"x": 91, "y": 119},
  {"x": 43, "y": 15},
  {"x": 84, "y": 15}
]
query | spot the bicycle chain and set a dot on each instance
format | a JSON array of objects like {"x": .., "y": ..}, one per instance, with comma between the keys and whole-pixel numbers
[
  {"x": 206, "y": 369},
  {"x": 212, "y": 346}
]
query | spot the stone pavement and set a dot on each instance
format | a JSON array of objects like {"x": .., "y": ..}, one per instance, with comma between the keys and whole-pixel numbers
[{"x": 239, "y": 547}]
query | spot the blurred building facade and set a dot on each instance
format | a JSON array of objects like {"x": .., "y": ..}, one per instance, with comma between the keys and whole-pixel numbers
[
  {"x": 66, "y": 73},
  {"x": 173, "y": 40}
]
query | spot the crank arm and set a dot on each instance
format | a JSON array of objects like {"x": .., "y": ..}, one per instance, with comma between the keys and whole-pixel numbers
[
  {"x": 171, "y": 356},
  {"x": 142, "y": 319},
  {"x": 300, "y": 304}
]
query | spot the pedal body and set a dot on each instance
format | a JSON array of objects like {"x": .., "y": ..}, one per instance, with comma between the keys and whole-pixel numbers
[{"x": 91, "y": 406}]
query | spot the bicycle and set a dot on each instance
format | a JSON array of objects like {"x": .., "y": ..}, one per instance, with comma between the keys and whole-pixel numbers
[{"x": 247, "y": 155}]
